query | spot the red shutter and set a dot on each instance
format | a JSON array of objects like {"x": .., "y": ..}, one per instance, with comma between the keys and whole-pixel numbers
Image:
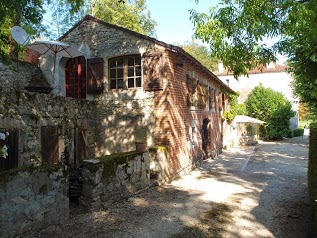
[
  {"x": 95, "y": 75},
  {"x": 154, "y": 70}
]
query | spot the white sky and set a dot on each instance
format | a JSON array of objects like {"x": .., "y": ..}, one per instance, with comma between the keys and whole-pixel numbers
[
  {"x": 174, "y": 25},
  {"x": 172, "y": 17}
]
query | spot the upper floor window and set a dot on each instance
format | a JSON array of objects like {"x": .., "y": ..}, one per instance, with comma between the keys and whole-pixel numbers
[
  {"x": 125, "y": 72},
  {"x": 201, "y": 96},
  {"x": 212, "y": 99},
  {"x": 76, "y": 77},
  {"x": 84, "y": 76}
]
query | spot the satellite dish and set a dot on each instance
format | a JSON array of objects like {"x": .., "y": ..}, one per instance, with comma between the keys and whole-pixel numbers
[{"x": 19, "y": 35}]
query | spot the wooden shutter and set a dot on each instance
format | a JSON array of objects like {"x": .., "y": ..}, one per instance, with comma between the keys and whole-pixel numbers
[
  {"x": 12, "y": 142},
  {"x": 154, "y": 70},
  {"x": 220, "y": 102},
  {"x": 49, "y": 144},
  {"x": 95, "y": 75},
  {"x": 81, "y": 145}
]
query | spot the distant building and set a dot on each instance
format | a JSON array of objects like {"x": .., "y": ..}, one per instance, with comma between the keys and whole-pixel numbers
[{"x": 272, "y": 76}]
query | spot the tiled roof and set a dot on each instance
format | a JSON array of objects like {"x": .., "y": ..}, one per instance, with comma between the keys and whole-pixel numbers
[{"x": 273, "y": 68}]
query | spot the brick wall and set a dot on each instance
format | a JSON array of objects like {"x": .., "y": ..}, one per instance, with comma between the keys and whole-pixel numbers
[{"x": 174, "y": 117}]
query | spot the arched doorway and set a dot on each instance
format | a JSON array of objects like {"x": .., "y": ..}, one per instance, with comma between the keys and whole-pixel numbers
[
  {"x": 205, "y": 133},
  {"x": 75, "y": 72}
]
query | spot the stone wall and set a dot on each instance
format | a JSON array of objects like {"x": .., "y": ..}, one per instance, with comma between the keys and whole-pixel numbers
[
  {"x": 112, "y": 178},
  {"x": 32, "y": 198},
  {"x": 28, "y": 112}
]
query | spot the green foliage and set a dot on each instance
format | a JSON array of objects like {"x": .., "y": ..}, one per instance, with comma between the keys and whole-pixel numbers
[
  {"x": 27, "y": 14},
  {"x": 298, "y": 132},
  {"x": 273, "y": 108},
  {"x": 132, "y": 15},
  {"x": 240, "y": 109},
  {"x": 235, "y": 108},
  {"x": 202, "y": 54},
  {"x": 235, "y": 31},
  {"x": 290, "y": 133}
]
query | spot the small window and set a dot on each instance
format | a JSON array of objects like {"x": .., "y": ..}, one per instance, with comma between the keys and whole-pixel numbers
[
  {"x": 75, "y": 71},
  {"x": 201, "y": 96},
  {"x": 212, "y": 99},
  {"x": 9, "y": 140},
  {"x": 191, "y": 86},
  {"x": 125, "y": 72}
]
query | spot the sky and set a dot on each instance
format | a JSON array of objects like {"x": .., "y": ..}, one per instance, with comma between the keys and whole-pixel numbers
[
  {"x": 172, "y": 16},
  {"x": 173, "y": 23}
]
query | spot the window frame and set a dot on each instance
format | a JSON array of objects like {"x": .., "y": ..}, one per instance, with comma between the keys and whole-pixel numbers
[{"x": 126, "y": 77}]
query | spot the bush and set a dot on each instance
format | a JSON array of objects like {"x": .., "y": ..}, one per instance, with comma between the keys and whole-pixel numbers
[
  {"x": 298, "y": 132},
  {"x": 272, "y": 107},
  {"x": 290, "y": 133}
]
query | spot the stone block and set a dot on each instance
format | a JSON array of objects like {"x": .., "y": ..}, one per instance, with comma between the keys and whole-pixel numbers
[{"x": 91, "y": 191}]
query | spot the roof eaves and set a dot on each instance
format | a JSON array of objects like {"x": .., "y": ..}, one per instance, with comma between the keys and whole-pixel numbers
[{"x": 161, "y": 43}]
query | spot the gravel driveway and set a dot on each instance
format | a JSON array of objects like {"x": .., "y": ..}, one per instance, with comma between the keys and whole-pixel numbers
[{"x": 246, "y": 192}]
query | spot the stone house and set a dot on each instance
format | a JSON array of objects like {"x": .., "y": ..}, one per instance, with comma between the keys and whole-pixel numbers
[
  {"x": 127, "y": 88},
  {"x": 272, "y": 76}
]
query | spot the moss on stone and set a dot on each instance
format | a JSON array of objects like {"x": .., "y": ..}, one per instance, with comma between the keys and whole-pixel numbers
[
  {"x": 155, "y": 148},
  {"x": 93, "y": 168},
  {"x": 111, "y": 161},
  {"x": 158, "y": 147}
]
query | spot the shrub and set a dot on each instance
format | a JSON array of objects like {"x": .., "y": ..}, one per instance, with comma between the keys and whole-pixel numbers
[
  {"x": 290, "y": 133},
  {"x": 272, "y": 107},
  {"x": 298, "y": 132}
]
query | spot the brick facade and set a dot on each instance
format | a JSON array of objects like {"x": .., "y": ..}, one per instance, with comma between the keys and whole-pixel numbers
[{"x": 161, "y": 106}]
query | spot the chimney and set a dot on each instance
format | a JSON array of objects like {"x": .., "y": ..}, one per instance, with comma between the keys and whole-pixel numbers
[{"x": 220, "y": 67}]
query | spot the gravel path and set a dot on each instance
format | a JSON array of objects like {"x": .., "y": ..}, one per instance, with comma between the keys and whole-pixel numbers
[{"x": 235, "y": 195}]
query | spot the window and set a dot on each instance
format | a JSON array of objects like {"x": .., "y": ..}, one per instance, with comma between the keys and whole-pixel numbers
[
  {"x": 9, "y": 141},
  {"x": 201, "y": 96},
  {"x": 125, "y": 72},
  {"x": 191, "y": 85},
  {"x": 95, "y": 75},
  {"x": 76, "y": 84},
  {"x": 76, "y": 77},
  {"x": 212, "y": 99}
]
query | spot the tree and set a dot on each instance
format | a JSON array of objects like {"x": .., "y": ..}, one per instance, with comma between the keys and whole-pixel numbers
[
  {"x": 63, "y": 15},
  {"x": 273, "y": 108},
  {"x": 132, "y": 15},
  {"x": 235, "y": 31},
  {"x": 202, "y": 54},
  {"x": 27, "y": 14}
]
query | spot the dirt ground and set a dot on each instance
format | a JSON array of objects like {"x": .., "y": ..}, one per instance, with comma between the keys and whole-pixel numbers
[{"x": 246, "y": 192}]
